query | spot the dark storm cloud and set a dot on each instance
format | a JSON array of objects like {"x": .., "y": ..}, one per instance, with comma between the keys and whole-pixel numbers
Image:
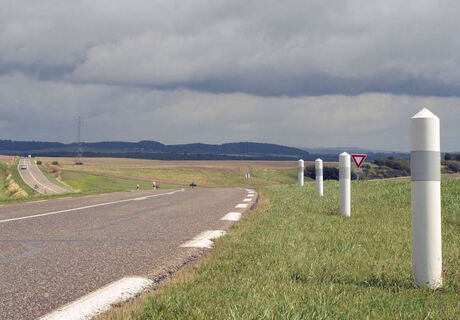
[{"x": 266, "y": 48}]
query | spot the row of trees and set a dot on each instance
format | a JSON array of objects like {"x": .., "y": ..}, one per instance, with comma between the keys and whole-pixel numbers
[
  {"x": 452, "y": 156},
  {"x": 388, "y": 167}
]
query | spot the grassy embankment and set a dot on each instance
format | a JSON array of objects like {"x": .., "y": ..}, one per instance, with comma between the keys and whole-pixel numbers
[
  {"x": 3, "y": 183},
  {"x": 53, "y": 177},
  {"x": 296, "y": 258},
  {"x": 13, "y": 170},
  {"x": 260, "y": 177},
  {"x": 92, "y": 183},
  {"x": 83, "y": 183}
]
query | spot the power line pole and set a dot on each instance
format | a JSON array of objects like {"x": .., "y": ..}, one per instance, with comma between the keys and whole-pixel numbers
[{"x": 78, "y": 160}]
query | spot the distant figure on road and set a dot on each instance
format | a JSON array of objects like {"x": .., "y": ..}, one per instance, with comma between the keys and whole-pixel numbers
[
  {"x": 192, "y": 185},
  {"x": 154, "y": 184}
]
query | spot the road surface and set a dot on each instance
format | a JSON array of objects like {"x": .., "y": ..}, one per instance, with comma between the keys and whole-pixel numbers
[
  {"x": 35, "y": 179},
  {"x": 53, "y": 252}
]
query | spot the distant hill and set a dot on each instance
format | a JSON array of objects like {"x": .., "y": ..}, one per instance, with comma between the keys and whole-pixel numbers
[
  {"x": 194, "y": 151},
  {"x": 157, "y": 150}
]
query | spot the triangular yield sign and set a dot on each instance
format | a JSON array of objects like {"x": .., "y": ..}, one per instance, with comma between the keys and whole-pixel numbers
[{"x": 359, "y": 159}]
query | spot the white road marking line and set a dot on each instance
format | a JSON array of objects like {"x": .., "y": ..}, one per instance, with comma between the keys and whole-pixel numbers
[
  {"x": 247, "y": 200},
  {"x": 203, "y": 240},
  {"x": 249, "y": 190},
  {"x": 232, "y": 216},
  {"x": 141, "y": 198},
  {"x": 250, "y": 195},
  {"x": 99, "y": 301},
  {"x": 90, "y": 206},
  {"x": 238, "y": 206}
]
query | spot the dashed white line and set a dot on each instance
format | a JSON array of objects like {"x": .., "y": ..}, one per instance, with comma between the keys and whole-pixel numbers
[
  {"x": 247, "y": 200},
  {"x": 250, "y": 195},
  {"x": 101, "y": 300},
  {"x": 90, "y": 206},
  {"x": 203, "y": 240},
  {"x": 232, "y": 216},
  {"x": 238, "y": 206}
]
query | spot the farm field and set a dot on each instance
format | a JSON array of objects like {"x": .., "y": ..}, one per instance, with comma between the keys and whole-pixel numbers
[
  {"x": 182, "y": 173},
  {"x": 296, "y": 258}
]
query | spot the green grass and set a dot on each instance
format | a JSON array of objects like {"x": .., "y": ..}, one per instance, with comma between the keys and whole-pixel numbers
[
  {"x": 259, "y": 177},
  {"x": 51, "y": 178},
  {"x": 3, "y": 175},
  {"x": 274, "y": 176},
  {"x": 296, "y": 258},
  {"x": 17, "y": 178},
  {"x": 92, "y": 183},
  {"x": 85, "y": 183}
]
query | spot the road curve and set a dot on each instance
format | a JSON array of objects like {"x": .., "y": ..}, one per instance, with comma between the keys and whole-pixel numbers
[
  {"x": 35, "y": 179},
  {"x": 55, "y": 251}
]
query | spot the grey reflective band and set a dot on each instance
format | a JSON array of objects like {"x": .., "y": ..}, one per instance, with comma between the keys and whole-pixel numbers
[
  {"x": 319, "y": 172},
  {"x": 425, "y": 165},
  {"x": 344, "y": 173}
]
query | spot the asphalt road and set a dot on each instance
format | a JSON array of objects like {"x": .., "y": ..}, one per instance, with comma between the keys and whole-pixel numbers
[
  {"x": 64, "y": 253},
  {"x": 35, "y": 179}
]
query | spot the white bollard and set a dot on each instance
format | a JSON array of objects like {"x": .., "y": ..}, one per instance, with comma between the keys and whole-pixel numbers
[
  {"x": 426, "y": 199},
  {"x": 319, "y": 177},
  {"x": 344, "y": 181},
  {"x": 301, "y": 172}
]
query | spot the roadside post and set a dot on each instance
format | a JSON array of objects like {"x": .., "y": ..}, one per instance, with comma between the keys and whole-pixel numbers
[
  {"x": 319, "y": 177},
  {"x": 426, "y": 199},
  {"x": 300, "y": 172},
  {"x": 344, "y": 182},
  {"x": 248, "y": 176},
  {"x": 358, "y": 159}
]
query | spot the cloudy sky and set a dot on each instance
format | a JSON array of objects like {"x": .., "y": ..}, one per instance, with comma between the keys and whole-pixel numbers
[{"x": 299, "y": 73}]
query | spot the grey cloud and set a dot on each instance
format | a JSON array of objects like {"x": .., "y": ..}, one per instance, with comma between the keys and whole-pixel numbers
[
  {"x": 266, "y": 48},
  {"x": 49, "y": 109}
]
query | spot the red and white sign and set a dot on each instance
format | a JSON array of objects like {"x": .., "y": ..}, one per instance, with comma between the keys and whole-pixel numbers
[{"x": 359, "y": 159}]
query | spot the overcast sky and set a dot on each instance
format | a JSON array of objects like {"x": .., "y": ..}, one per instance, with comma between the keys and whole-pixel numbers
[{"x": 298, "y": 73}]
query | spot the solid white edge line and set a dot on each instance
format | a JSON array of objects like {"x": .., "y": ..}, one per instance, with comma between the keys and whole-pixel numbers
[
  {"x": 90, "y": 206},
  {"x": 87, "y": 307},
  {"x": 238, "y": 206},
  {"x": 232, "y": 216},
  {"x": 203, "y": 240}
]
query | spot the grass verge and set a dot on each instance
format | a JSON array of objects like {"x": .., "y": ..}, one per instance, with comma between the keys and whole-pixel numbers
[
  {"x": 3, "y": 175},
  {"x": 51, "y": 178},
  {"x": 260, "y": 177},
  {"x": 17, "y": 178},
  {"x": 295, "y": 258},
  {"x": 92, "y": 183}
]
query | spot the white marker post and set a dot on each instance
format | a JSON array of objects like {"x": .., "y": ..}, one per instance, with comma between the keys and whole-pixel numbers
[
  {"x": 344, "y": 181},
  {"x": 319, "y": 176},
  {"x": 248, "y": 176},
  {"x": 301, "y": 172},
  {"x": 426, "y": 199}
]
